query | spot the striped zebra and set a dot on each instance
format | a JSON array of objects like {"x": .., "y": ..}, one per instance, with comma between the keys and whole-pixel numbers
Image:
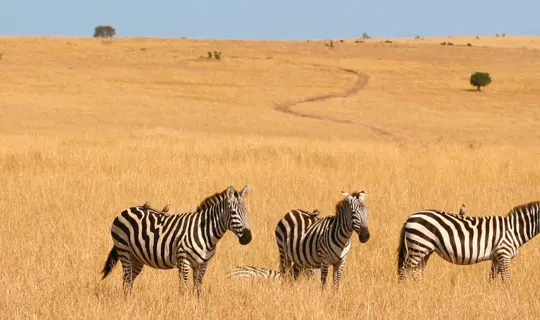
[
  {"x": 144, "y": 236},
  {"x": 306, "y": 219},
  {"x": 306, "y": 243},
  {"x": 258, "y": 272},
  {"x": 466, "y": 240}
]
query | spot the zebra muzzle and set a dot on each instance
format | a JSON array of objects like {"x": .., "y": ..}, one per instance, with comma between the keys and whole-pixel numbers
[
  {"x": 246, "y": 237},
  {"x": 363, "y": 236}
]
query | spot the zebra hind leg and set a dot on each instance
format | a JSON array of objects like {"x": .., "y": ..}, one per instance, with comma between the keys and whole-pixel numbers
[
  {"x": 414, "y": 264},
  {"x": 131, "y": 269},
  {"x": 286, "y": 268}
]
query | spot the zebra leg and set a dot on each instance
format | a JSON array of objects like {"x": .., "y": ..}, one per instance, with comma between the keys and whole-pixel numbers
[
  {"x": 198, "y": 274},
  {"x": 419, "y": 269},
  {"x": 324, "y": 273},
  {"x": 504, "y": 267},
  {"x": 286, "y": 267},
  {"x": 131, "y": 269},
  {"x": 297, "y": 271},
  {"x": 338, "y": 270},
  {"x": 183, "y": 271},
  {"x": 415, "y": 262},
  {"x": 494, "y": 269}
]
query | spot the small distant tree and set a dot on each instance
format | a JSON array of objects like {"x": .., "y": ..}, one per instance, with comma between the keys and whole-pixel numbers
[
  {"x": 365, "y": 36},
  {"x": 480, "y": 79},
  {"x": 104, "y": 32}
]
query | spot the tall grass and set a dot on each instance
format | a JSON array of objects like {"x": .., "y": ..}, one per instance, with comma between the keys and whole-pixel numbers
[{"x": 59, "y": 200}]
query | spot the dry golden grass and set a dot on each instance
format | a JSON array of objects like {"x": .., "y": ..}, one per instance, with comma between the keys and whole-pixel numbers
[{"x": 91, "y": 127}]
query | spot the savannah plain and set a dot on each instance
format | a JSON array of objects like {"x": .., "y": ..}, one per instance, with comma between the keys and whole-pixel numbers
[{"x": 90, "y": 127}]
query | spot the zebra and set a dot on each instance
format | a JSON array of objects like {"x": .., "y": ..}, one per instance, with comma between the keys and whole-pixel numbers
[
  {"x": 324, "y": 241},
  {"x": 258, "y": 272},
  {"x": 307, "y": 219},
  {"x": 143, "y": 236},
  {"x": 466, "y": 240}
]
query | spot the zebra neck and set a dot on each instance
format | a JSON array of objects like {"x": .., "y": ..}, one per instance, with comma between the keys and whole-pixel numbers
[
  {"x": 214, "y": 224},
  {"x": 343, "y": 223},
  {"x": 525, "y": 225}
]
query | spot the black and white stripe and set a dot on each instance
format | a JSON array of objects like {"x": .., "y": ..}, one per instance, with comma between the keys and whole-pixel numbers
[
  {"x": 305, "y": 243},
  {"x": 258, "y": 272},
  {"x": 304, "y": 220},
  {"x": 143, "y": 236},
  {"x": 466, "y": 240}
]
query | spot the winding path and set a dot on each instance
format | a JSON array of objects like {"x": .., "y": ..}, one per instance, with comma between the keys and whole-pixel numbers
[{"x": 361, "y": 82}]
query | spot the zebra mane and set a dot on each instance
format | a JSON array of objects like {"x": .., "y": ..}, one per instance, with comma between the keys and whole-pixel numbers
[
  {"x": 534, "y": 205},
  {"x": 212, "y": 200}
]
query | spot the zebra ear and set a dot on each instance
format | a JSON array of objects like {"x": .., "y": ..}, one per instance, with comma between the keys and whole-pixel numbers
[
  {"x": 344, "y": 194},
  {"x": 362, "y": 196},
  {"x": 230, "y": 192},
  {"x": 244, "y": 192}
]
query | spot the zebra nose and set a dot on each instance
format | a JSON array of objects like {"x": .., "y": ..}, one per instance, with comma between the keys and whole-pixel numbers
[
  {"x": 246, "y": 237},
  {"x": 364, "y": 235}
]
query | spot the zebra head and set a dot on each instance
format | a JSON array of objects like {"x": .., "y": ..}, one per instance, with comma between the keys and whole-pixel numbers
[
  {"x": 237, "y": 214},
  {"x": 359, "y": 214}
]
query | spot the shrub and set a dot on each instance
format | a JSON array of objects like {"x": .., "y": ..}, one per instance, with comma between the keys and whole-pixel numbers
[
  {"x": 480, "y": 79},
  {"x": 365, "y": 36},
  {"x": 104, "y": 32}
]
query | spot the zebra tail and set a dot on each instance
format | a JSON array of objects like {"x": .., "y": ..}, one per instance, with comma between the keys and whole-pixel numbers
[
  {"x": 402, "y": 250},
  {"x": 112, "y": 260},
  {"x": 254, "y": 272}
]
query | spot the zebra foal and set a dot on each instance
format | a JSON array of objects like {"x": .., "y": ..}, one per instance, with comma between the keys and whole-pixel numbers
[
  {"x": 144, "y": 236},
  {"x": 466, "y": 240}
]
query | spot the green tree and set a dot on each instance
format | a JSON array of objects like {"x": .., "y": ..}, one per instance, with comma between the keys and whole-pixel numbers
[
  {"x": 480, "y": 79},
  {"x": 104, "y": 32}
]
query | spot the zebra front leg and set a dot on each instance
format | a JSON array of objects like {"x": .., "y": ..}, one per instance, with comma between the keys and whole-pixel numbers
[
  {"x": 197, "y": 278},
  {"x": 338, "y": 270},
  {"x": 324, "y": 274},
  {"x": 183, "y": 272}
]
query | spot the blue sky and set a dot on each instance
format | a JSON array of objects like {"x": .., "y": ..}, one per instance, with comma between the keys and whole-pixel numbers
[{"x": 278, "y": 19}]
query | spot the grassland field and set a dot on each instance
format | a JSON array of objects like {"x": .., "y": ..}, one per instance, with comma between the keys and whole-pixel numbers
[{"x": 89, "y": 127}]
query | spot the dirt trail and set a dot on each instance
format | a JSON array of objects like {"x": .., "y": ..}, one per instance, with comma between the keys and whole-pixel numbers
[{"x": 361, "y": 82}]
